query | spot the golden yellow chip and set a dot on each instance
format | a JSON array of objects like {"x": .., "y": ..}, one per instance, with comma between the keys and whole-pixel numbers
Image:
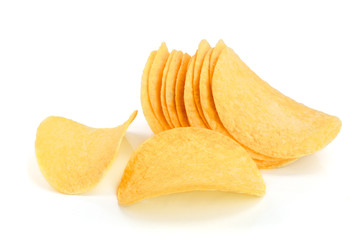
[
  {"x": 170, "y": 88},
  {"x": 207, "y": 102},
  {"x": 163, "y": 89},
  {"x": 192, "y": 113},
  {"x": 150, "y": 117},
  {"x": 188, "y": 159},
  {"x": 155, "y": 82},
  {"x": 215, "y": 56},
  {"x": 208, "y": 105},
  {"x": 263, "y": 119},
  {"x": 73, "y": 157},
  {"x": 260, "y": 157},
  {"x": 203, "y": 48},
  {"x": 179, "y": 91}
]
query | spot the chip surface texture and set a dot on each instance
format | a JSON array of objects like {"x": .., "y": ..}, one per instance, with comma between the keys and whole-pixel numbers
[
  {"x": 261, "y": 118},
  {"x": 73, "y": 157},
  {"x": 188, "y": 159},
  {"x": 149, "y": 114},
  {"x": 155, "y": 82}
]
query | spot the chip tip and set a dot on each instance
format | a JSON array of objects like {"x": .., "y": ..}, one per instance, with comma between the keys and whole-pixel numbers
[
  {"x": 337, "y": 125},
  {"x": 122, "y": 201},
  {"x": 133, "y": 116},
  {"x": 338, "y": 121},
  {"x": 204, "y": 42},
  {"x": 220, "y": 42},
  {"x": 163, "y": 45}
]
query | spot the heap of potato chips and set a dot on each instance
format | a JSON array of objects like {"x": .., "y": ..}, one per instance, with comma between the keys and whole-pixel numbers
[
  {"x": 216, "y": 123},
  {"x": 215, "y": 89}
]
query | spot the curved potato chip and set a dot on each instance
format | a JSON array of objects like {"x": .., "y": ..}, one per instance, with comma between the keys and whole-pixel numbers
[
  {"x": 155, "y": 82},
  {"x": 263, "y": 119},
  {"x": 203, "y": 48},
  {"x": 179, "y": 91},
  {"x": 73, "y": 157},
  {"x": 163, "y": 89},
  {"x": 188, "y": 159},
  {"x": 145, "y": 100},
  {"x": 170, "y": 88},
  {"x": 206, "y": 97},
  {"x": 220, "y": 45},
  {"x": 263, "y": 158},
  {"x": 208, "y": 105},
  {"x": 192, "y": 113}
]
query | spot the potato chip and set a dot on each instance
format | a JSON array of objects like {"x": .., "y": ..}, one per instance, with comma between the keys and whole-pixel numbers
[
  {"x": 192, "y": 113},
  {"x": 179, "y": 91},
  {"x": 170, "y": 88},
  {"x": 263, "y": 119},
  {"x": 260, "y": 157},
  {"x": 208, "y": 105},
  {"x": 145, "y": 100},
  {"x": 215, "y": 56},
  {"x": 163, "y": 89},
  {"x": 73, "y": 157},
  {"x": 206, "y": 98},
  {"x": 203, "y": 48},
  {"x": 155, "y": 82},
  {"x": 188, "y": 159}
]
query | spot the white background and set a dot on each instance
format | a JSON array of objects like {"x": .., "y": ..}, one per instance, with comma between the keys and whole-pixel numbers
[{"x": 84, "y": 59}]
